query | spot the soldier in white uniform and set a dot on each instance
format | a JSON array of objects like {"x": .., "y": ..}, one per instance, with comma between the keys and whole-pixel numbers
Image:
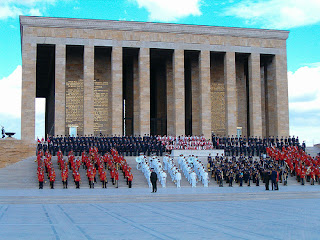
[
  {"x": 178, "y": 178},
  {"x": 193, "y": 177},
  {"x": 165, "y": 161},
  {"x": 163, "y": 176},
  {"x": 205, "y": 179}
]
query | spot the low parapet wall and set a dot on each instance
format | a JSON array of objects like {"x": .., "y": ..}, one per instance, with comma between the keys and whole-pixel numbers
[
  {"x": 13, "y": 150},
  {"x": 199, "y": 153}
]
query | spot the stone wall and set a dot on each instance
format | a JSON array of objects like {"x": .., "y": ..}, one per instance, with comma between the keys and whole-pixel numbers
[
  {"x": 241, "y": 96},
  {"x": 13, "y": 150},
  {"x": 218, "y": 107},
  {"x": 102, "y": 83},
  {"x": 74, "y": 89}
]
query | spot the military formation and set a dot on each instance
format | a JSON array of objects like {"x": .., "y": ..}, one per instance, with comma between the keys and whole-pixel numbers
[
  {"x": 253, "y": 146},
  {"x": 299, "y": 164},
  {"x": 95, "y": 165},
  {"x": 125, "y": 145},
  {"x": 247, "y": 161}
]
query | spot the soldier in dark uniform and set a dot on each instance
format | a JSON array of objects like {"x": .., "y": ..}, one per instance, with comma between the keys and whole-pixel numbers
[{"x": 153, "y": 179}]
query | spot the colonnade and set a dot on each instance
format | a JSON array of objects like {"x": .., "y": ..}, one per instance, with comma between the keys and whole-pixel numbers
[{"x": 275, "y": 122}]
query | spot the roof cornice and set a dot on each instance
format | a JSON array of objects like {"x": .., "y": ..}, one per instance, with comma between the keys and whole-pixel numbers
[{"x": 151, "y": 27}]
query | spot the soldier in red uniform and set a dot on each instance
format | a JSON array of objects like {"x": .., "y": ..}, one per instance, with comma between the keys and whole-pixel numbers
[
  {"x": 116, "y": 178},
  {"x": 103, "y": 178},
  {"x": 64, "y": 176},
  {"x": 130, "y": 178},
  {"x": 41, "y": 178},
  {"x": 52, "y": 177},
  {"x": 112, "y": 174},
  {"x": 91, "y": 178},
  {"x": 77, "y": 179}
]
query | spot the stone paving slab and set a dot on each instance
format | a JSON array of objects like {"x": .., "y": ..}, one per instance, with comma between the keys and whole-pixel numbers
[
  {"x": 186, "y": 213},
  {"x": 293, "y": 212}
]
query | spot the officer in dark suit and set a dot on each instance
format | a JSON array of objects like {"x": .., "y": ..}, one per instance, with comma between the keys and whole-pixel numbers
[
  {"x": 274, "y": 179},
  {"x": 153, "y": 179}
]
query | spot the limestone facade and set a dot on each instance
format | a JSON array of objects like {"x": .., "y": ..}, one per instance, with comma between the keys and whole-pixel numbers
[{"x": 231, "y": 86}]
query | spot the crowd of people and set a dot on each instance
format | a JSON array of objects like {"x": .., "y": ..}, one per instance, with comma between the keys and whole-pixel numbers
[
  {"x": 185, "y": 143},
  {"x": 299, "y": 164},
  {"x": 253, "y": 146},
  {"x": 173, "y": 170},
  {"x": 193, "y": 169},
  {"x": 92, "y": 162},
  {"x": 148, "y": 166},
  {"x": 125, "y": 145},
  {"x": 277, "y": 158},
  {"x": 246, "y": 170}
]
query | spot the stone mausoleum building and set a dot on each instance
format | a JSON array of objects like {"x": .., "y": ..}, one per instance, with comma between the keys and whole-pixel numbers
[{"x": 136, "y": 78}]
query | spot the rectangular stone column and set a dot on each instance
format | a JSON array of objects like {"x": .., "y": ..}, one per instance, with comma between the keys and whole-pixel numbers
[
  {"x": 205, "y": 94},
  {"x": 255, "y": 95},
  {"x": 88, "y": 83},
  {"x": 116, "y": 91},
  {"x": 29, "y": 58},
  {"x": 195, "y": 96},
  {"x": 281, "y": 87},
  {"x": 170, "y": 98},
  {"x": 178, "y": 92},
  {"x": 60, "y": 91},
  {"x": 230, "y": 93},
  {"x": 144, "y": 90}
]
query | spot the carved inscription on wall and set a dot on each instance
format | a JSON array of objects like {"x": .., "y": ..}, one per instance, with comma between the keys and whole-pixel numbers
[
  {"x": 100, "y": 106},
  {"x": 241, "y": 96},
  {"x": 102, "y": 85},
  {"x": 74, "y": 88},
  {"x": 218, "y": 109},
  {"x": 74, "y": 104},
  {"x": 218, "y": 106}
]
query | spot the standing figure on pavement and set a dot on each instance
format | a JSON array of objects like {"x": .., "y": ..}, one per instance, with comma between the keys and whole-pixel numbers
[{"x": 153, "y": 179}]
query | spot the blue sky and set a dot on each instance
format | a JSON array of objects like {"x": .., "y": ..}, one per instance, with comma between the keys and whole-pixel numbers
[{"x": 300, "y": 17}]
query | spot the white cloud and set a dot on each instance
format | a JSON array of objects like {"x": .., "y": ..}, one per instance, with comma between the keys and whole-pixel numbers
[
  {"x": 304, "y": 103},
  {"x": 170, "y": 10},
  {"x": 10, "y": 104},
  {"x": 304, "y": 89},
  {"x": 10, "y": 97},
  {"x": 35, "y": 12},
  {"x": 9, "y": 11},
  {"x": 14, "y": 8},
  {"x": 282, "y": 14}
]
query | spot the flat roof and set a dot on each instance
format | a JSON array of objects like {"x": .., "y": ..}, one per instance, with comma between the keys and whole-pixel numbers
[{"x": 51, "y": 22}]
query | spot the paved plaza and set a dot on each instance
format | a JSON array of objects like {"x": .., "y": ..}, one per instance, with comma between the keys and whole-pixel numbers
[
  {"x": 186, "y": 213},
  {"x": 172, "y": 213}
]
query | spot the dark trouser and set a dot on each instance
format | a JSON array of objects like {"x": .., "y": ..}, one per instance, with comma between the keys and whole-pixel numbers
[
  {"x": 52, "y": 184},
  {"x": 40, "y": 185},
  {"x": 274, "y": 185},
  {"x": 130, "y": 184},
  {"x": 78, "y": 184},
  {"x": 267, "y": 184},
  {"x": 154, "y": 186},
  {"x": 104, "y": 184}
]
